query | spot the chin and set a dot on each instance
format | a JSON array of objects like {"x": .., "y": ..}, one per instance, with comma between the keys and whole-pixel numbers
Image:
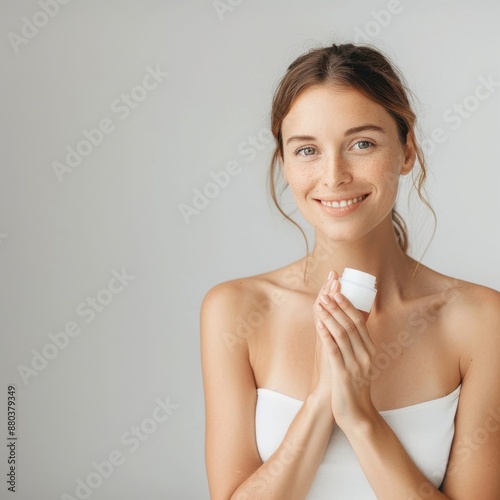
[
  {"x": 342, "y": 231},
  {"x": 338, "y": 236}
]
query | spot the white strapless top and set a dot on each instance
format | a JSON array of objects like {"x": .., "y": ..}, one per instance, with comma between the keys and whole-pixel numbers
[{"x": 425, "y": 430}]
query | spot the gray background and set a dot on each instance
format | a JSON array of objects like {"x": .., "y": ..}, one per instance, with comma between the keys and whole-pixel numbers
[{"x": 61, "y": 240}]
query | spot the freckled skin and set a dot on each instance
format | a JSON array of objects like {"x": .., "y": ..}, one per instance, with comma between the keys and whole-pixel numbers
[{"x": 339, "y": 167}]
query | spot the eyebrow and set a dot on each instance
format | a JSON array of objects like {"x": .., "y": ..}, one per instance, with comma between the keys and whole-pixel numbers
[
  {"x": 353, "y": 130},
  {"x": 362, "y": 128}
]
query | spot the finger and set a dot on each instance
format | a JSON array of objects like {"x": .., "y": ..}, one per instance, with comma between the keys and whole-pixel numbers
[
  {"x": 327, "y": 285},
  {"x": 346, "y": 327},
  {"x": 357, "y": 357},
  {"x": 353, "y": 320},
  {"x": 331, "y": 348},
  {"x": 340, "y": 361},
  {"x": 337, "y": 332},
  {"x": 332, "y": 277}
]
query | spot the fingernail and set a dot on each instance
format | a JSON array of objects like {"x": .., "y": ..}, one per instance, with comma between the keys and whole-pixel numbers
[
  {"x": 325, "y": 299},
  {"x": 318, "y": 307},
  {"x": 320, "y": 324},
  {"x": 330, "y": 274},
  {"x": 333, "y": 285},
  {"x": 338, "y": 298}
]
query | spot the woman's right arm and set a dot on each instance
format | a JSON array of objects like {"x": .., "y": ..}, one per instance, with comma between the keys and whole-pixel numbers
[{"x": 234, "y": 468}]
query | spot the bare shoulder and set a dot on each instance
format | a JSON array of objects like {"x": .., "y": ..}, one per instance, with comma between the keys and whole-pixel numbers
[
  {"x": 473, "y": 304},
  {"x": 243, "y": 294},
  {"x": 271, "y": 286},
  {"x": 476, "y": 321},
  {"x": 232, "y": 308},
  {"x": 464, "y": 301},
  {"x": 471, "y": 318}
]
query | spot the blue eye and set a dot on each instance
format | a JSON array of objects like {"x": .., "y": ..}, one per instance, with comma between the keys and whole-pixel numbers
[{"x": 305, "y": 151}]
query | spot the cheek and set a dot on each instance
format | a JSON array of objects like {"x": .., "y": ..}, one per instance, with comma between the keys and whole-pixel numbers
[
  {"x": 388, "y": 172},
  {"x": 299, "y": 179}
]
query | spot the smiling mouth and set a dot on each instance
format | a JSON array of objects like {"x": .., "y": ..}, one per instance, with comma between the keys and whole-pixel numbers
[{"x": 343, "y": 203}]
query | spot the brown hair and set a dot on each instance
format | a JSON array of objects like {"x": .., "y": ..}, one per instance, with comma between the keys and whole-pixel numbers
[{"x": 358, "y": 67}]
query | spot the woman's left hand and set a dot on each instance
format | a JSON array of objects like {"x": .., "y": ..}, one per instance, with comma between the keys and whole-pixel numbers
[{"x": 350, "y": 349}]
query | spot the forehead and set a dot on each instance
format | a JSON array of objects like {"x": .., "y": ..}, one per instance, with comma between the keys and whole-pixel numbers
[{"x": 333, "y": 109}]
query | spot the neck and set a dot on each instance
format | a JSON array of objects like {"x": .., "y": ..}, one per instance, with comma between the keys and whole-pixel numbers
[{"x": 378, "y": 253}]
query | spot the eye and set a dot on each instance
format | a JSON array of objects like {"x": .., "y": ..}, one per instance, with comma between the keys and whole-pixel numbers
[
  {"x": 305, "y": 151},
  {"x": 363, "y": 145}
]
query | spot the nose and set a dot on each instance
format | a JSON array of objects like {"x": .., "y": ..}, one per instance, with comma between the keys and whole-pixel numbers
[{"x": 336, "y": 171}]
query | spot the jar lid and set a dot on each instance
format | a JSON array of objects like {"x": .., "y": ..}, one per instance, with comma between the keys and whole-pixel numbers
[{"x": 360, "y": 277}]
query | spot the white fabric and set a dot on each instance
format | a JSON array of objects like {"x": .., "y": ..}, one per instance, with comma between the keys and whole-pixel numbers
[{"x": 425, "y": 430}]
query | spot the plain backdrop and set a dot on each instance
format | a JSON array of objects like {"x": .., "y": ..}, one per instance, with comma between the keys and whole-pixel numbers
[{"x": 66, "y": 231}]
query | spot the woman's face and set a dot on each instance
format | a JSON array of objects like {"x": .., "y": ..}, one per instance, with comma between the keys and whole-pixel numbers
[{"x": 342, "y": 159}]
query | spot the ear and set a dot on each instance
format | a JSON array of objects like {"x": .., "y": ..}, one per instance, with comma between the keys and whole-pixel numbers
[{"x": 410, "y": 155}]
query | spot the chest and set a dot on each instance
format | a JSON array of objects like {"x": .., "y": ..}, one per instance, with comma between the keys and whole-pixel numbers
[{"x": 413, "y": 352}]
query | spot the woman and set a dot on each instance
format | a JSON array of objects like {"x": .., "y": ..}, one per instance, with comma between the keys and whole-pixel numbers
[{"x": 305, "y": 396}]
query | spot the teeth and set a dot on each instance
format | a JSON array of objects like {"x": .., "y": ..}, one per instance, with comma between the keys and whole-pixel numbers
[{"x": 343, "y": 203}]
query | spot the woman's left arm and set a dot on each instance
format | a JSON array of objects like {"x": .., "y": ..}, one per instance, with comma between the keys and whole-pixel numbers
[
  {"x": 474, "y": 465},
  {"x": 474, "y": 469}
]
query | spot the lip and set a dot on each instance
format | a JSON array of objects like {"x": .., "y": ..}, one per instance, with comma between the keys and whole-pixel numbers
[{"x": 342, "y": 211}]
